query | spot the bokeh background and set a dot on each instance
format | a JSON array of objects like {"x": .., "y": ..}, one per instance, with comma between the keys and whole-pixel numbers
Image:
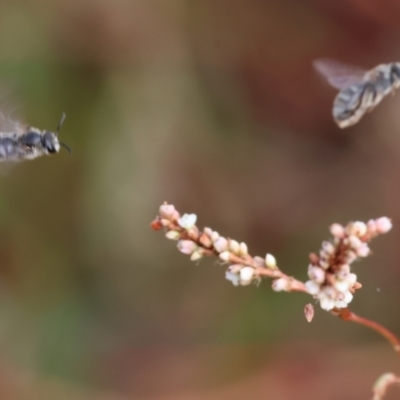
[{"x": 212, "y": 105}]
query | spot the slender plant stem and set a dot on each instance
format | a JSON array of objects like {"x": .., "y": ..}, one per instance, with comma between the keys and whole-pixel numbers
[{"x": 347, "y": 315}]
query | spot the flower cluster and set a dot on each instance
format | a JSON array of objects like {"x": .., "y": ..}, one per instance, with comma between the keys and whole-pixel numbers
[
  {"x": 331, "y": 281},
  {"x": 243, "y": 269}
]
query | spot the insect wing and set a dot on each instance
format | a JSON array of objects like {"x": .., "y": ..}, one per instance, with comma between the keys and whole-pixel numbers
[{"x": 339, "y": 75}]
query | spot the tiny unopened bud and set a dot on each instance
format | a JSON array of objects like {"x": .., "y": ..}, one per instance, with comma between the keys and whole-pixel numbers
[
  {"x": 221, "y": 244},
  {"x": 208, "y": 231},
  {"x": 187, "y": 221},
  {"x": 234, "y": 246},
  {"x": 259, "y": 262},
  {"x": 363, "y": 250},
  {"x": 225, "y": 256},
  {"x": 168, "y": 211},
  {"x": 172, "y": 235},
  {"x": 312, "y": 287},
  {"x": 246, "y": 275},
  {"x": 186, "y": 246},
  {"x": 328, "y": 248},
  {"x": 315, "y": 273},
  {"x": 309, "y": 312},
  {"x": 337, "y": 230},
  {"x": 354, "y": 242},
  {"x": 243, "y": 250},
  {"x": 270, "y": 261},
  {"x": 383, "y": 225},
  {"x": 214, "y": 236},
  {"x": 314, "y": 259},
  {"x": 196, "y": 255},
  {"x": 359, "y": 228},
  {"x": 279, "y": 285},
  {"x": 205, "y": 240}
]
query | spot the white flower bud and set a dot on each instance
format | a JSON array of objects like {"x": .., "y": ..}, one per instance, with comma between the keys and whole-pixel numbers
[
  {"x": 279, "y": 285},
  {"x": 172, "y": 235},
  {"x": 341, "y": 285},
  {"x": 234, "y": 246},
  {"x": 270, "y": 261},
  {"x": 352, "y": 279},
  {"x": 340, "y": 304},
  {"x": 187, "y": 221},
  {"x": 312, "y": 287},
  {"x": 327, "y": 304},
  {"x": 246, "y": 275},
  {"x": 196, "y": 255},
  {"x": 243, "y": 250},
  {"x": 225, "y": 256},
  {"x": 214, "y": 236},
  {"x": 234, "y": 278},
  {"x": 359, "y": 228}
]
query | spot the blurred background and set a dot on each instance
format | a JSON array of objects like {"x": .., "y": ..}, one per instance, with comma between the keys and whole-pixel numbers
[{"x": 213, "y": 106}]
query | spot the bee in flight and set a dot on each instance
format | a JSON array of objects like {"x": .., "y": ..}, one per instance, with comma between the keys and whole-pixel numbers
[
  {"x": 360, "y": 91},
  {"x": 19, "y": 142}
]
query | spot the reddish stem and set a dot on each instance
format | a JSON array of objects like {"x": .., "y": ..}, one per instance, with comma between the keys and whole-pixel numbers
[{"x": 347, "y": 315}]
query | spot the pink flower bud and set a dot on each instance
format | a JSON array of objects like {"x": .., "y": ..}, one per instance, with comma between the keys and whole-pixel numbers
[
  {"x": 337, "y": 230},
  {"x": 221, "y": 244},
  {"x": 168, "y": 211},
  {"x": 309, "y": 312},
  {"x": 317, "y": 274},
  {"x": 280, "y": 285},
  {"x": 383, "y": 225},
  {"x": 186, "y": 246}
]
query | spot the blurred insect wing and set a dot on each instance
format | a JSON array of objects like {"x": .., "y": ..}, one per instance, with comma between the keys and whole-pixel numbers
[{"x": 339, "y": 75}]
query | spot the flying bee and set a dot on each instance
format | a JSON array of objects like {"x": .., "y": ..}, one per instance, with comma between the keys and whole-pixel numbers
[
  {"x": 19, "y": 142},
  {"x": 360, "y": 90}
]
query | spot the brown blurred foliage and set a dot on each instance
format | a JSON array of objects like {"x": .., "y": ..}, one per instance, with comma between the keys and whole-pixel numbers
[{"x": 212, "y": 105}]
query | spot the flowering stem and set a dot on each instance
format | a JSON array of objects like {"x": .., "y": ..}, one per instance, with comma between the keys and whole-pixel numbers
[{"x": 347, "y": 315}]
